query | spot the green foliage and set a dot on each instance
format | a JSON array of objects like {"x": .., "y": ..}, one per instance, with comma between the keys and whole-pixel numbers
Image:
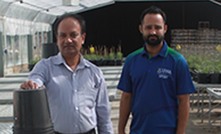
[
  {"x": 103, "y": 53},
  {"x": 119, "y": 55},
  {"x": 111, "y": 56},
  {"x": 92, "y": 57},
  {"x": 35, "y": 60},
  {"x": 204, "y": 64}
]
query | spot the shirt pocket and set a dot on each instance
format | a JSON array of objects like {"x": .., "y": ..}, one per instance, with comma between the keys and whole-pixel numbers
[{"x": 87, "y": 95}]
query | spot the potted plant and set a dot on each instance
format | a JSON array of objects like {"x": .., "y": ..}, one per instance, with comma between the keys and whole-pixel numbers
[
  {"x": 111, "y": 59},
  {"x": 204, "y": 69},
  {"x": 119, "y": 58},
  {"x": 103, "y": 56}
]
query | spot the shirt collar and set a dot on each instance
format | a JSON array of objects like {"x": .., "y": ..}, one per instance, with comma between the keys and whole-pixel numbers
[
  {"x": 58, "y": 59},
  {"x": 162, "y": 53}
]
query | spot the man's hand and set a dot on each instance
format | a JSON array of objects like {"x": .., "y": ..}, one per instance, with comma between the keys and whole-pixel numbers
[{"x": 29, "y": 85}]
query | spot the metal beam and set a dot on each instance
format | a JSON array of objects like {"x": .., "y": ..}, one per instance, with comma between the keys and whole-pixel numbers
[
  {"x": 1, "y": 56},
  {"x": 30, "y": 45},
  {"x": 50, "y": 36}
]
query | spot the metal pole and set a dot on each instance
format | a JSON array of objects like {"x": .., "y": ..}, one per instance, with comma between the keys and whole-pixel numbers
[
  {"x": 1, "y": 56},
  {"x": 30, "y": 51},
  {"x": 50, "y": 36}
]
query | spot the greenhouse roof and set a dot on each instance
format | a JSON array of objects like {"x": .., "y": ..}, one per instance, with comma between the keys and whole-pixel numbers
[{"x": 47, "y": 10}]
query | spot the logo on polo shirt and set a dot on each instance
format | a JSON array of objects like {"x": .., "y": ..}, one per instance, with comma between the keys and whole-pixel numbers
[{"x": 164, "y": 73}]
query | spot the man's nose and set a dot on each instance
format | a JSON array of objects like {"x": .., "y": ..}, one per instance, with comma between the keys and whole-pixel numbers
[
  {"x": 153, "y": 31},
  {"x": 68, "y": 39}
]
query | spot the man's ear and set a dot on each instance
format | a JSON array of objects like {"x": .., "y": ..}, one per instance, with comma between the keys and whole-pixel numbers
[
  {"x": 83, "y": 37},
  {"x": 56, "y": 39},
  {"x": 165, "y": 28},
  {"x": 140, "y": 29}
]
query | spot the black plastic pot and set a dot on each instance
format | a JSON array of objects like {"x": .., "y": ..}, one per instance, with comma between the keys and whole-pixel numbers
[
  {"x": 215, "y": 78},
  {"x": 31, "y": 112},
  {"x": 203, "y": 78}
]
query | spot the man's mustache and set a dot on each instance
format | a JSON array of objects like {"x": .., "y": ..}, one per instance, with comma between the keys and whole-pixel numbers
[
  {"x": 69, "y": 45},
  {"x": 152, "y": 35}
]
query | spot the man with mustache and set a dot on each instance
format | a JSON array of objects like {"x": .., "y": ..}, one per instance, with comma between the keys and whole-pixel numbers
[
  {"x": 76, "y": 89},
  {"x": 155, "y": 82}
]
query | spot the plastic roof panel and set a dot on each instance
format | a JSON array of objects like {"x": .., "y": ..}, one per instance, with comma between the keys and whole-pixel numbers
[
  {"x": 63, "y": 9},
  {"x": 4, "y": 7},
  {"x": 24, "y": 13},
  {"x": 91, "y": 3},
  {"x": 44, "y": 4},
  {"x": 44, "y": 17},
  {"x": 45, "y": 10}
]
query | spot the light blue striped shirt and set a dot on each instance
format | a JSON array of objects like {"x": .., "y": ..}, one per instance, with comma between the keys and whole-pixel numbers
[{"x": 78, "y": 100}]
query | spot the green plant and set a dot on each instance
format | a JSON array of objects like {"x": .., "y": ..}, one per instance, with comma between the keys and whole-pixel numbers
[
  {"x": 204, "y": 64},
  {"x": 92, "y": 57},
  {"x": 103, "y": 54},
  {"x": 35, "y": 60},
  {"x": 111, "y": 56},
  {"x": 119, "y": 55}
]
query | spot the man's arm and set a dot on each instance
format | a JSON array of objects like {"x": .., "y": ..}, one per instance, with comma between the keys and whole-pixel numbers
[
  {"x": 125, "y": 106},
  {"x": 37, "y": 76},
  {"x": 103, "y": 110},
  {"x": 183, "y": 113}
]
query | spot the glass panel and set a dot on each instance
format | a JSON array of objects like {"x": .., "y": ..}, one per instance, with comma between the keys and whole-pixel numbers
[
  {"x": 9, "y": 51},
  {"x": 16, "y": 52},
  {"x": 39, "y": 39},
  {"x": 23, "y": 49}
]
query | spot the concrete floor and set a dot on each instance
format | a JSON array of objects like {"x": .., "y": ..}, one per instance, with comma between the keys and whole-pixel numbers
[{"x": 195, "y": 126}]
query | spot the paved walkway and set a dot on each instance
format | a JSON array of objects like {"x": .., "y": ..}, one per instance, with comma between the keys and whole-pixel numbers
[{"x": 194, "y": 124}]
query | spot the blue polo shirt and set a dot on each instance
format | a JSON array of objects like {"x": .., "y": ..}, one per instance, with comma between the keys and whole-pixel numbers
[{"x": 155, "y": 83}]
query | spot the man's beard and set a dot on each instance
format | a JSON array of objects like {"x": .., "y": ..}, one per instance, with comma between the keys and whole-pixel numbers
[{"x": 153, "y": 40}]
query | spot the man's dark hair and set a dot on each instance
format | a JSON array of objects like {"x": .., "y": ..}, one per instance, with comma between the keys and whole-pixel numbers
[
  {"x": 77, "y": 17},
  {"x": 153, "y": 10}
]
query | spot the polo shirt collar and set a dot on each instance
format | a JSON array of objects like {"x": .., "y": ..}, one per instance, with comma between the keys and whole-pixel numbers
[{"x": 162, "y": 53}]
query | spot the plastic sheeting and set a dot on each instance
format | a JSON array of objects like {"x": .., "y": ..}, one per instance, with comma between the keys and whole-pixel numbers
[
  {"x": 45, "y": 10},
  {"x": 23, "y": 27}
]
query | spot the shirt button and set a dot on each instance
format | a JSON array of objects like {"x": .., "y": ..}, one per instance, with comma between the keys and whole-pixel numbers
[
  {"x": 76, "y": 108},
  {"x": 75, "y": 90}
]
